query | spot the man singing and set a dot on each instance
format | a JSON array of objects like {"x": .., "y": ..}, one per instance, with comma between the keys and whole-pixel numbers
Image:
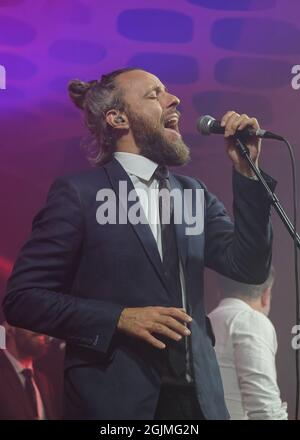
[{"x": 127, "y": 296}]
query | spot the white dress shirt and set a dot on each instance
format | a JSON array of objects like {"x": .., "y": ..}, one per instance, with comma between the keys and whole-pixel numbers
[
  {"x": 140, "y": 170},
  {"x": 18, "y": 367},
  {"x": 246, "y": 346}
]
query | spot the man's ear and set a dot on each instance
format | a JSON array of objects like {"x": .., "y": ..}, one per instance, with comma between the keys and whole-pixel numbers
[
  {"x": 266, "y": 296},
  {"x": 117, "y": 119}
]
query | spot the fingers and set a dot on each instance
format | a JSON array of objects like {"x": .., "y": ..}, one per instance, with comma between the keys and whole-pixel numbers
[
  {"x": 249, "y": 122},
  {"x": 174, "y": 325},
  {"x": 233, "y": 122},
  {"x": 226, "y": 117},
  {"x": 169, "y": 322},
  {"x": 175, "y": 313},
  {"x": 169, "y": 333},
  {"x": 166, "y": 324},
  {"x": 148, "y": 337}
]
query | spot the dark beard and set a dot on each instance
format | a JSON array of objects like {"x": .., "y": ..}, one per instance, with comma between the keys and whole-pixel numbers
[{"x": 156, "y": 147}]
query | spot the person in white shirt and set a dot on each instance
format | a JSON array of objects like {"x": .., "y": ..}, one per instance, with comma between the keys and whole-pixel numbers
[{"x": 246, "y": 347}]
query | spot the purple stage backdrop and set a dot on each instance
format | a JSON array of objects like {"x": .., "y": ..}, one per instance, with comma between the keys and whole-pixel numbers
[{"x": 216, "y": 55}]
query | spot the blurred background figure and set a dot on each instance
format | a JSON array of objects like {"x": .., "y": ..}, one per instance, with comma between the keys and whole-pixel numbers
[
  {"x": 246, "y": 346},
  {"x": 26, "y": 393}
]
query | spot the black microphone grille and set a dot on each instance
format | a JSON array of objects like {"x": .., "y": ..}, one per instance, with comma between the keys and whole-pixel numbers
[{"x": 204, "y": 124}]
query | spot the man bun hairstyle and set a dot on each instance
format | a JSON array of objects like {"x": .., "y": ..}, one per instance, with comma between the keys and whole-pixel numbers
[{"x": 78, "y": 90}]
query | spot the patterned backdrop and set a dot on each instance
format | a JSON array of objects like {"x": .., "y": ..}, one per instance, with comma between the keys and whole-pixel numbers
[{"x": 216, "y": 55}]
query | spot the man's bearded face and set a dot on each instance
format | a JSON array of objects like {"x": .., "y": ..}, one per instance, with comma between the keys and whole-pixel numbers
[{"x": 160, "y": 140}]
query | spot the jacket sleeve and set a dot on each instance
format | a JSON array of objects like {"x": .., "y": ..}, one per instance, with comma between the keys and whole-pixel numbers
[
  {"x": 38, "y": 290},
  {"x": 243, "y": 250}
]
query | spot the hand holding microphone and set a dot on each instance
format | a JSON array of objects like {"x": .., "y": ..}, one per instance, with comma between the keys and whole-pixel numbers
[{"x": 232, "y": 125}]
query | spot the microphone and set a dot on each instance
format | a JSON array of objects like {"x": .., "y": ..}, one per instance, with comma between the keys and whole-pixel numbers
[{"x": 208, "y": 125}]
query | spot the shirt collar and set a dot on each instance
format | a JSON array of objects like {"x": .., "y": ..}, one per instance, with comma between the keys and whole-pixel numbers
[
  {"x": 135, "y": 164},
  {"x": 235, "y": 302},
  {"x": 16, "y": 363}
]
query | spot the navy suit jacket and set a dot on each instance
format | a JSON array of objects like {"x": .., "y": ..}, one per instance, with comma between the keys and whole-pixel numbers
[{"x": 74, "y": 277}]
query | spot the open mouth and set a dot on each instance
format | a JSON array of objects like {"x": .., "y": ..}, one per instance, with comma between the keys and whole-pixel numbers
[{"x": 171, "y": 124}]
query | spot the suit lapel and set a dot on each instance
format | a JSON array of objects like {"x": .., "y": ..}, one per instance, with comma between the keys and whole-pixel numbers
[{"x": 117, "y": 174}]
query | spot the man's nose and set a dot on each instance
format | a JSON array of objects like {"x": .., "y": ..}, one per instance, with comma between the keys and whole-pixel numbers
[{"x": 172, "y": 100}]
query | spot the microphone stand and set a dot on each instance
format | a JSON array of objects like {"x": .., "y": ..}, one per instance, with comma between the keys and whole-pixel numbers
[{"x": 244, "y": 152}]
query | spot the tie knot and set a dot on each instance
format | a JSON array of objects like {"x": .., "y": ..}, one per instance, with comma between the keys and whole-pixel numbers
[
  {"x": 161, "y": 173},
  {"x": 27, "y": 373}
]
